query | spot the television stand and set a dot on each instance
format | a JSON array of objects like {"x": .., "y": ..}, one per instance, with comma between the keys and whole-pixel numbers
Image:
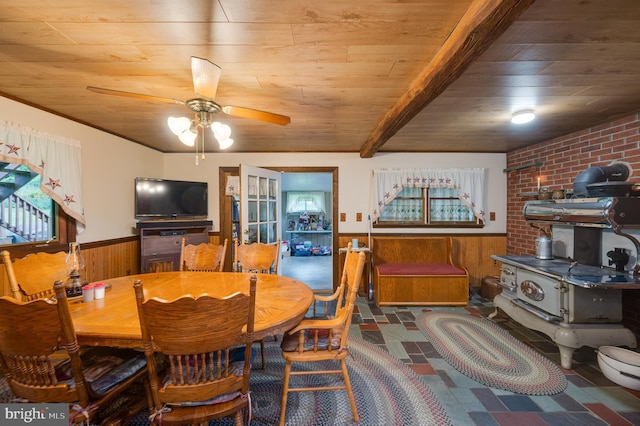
[{"x": 161, "y": 241}]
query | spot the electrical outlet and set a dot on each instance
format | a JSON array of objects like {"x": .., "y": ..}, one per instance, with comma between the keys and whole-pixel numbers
[
  {"x": 492, "y": 215},
  {"x": 343, "y": 217},
  {"x": 358, "y": 217}
]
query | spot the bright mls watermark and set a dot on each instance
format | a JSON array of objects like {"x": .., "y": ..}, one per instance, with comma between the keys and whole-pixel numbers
[{"x": 34, "y": 414}]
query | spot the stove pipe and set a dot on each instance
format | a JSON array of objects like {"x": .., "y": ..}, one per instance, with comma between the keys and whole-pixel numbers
[{"x": 616, "y": 171}]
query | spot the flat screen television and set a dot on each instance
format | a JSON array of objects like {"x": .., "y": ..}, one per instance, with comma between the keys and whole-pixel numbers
[{"x": 170, "y": 199}]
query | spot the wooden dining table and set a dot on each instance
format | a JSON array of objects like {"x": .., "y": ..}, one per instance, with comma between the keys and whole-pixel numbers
[{"x": 281, "y": 302}]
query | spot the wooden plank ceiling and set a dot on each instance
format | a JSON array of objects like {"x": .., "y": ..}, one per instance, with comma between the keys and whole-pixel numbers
[{"x": 354, "y": 76}]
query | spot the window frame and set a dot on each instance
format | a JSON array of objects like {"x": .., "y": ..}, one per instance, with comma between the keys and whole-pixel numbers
[{"x": 426, "y": 221}]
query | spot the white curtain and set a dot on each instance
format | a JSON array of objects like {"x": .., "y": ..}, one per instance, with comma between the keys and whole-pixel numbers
[
  {"x": 305, "y": 201},
  {"x": 55, "y": 158},
  {"x": 386, "y": 184}
]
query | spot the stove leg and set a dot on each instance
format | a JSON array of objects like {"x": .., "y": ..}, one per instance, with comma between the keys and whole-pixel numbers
[
  {"x": 493, "y": 314},
  {"x": 566, "y": 356}
]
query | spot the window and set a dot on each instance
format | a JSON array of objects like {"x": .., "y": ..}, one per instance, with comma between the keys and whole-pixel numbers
[
  {"x": 427, "y": 206},
  {"x": 28, "y": 216},
  {"x": 427, "y": 197}
]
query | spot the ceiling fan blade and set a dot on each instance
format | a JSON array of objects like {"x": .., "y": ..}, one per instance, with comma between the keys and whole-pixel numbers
[
  {"x": 206, "y": 76},
  {"x": 134, "y": 95},
  {"x": 255, "y": 114}
]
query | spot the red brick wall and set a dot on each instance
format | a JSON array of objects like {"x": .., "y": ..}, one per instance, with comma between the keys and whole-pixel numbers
[{"x": 564, "y": 158}]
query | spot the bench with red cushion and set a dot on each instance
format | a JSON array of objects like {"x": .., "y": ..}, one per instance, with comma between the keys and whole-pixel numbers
[{"x": 417, "y": 271}]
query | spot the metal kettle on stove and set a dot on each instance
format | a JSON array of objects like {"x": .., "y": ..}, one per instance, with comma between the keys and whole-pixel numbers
[{"x": 543, "y": 248}]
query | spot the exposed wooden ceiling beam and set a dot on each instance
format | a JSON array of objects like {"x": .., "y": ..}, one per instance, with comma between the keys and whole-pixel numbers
[{"x": 480, "y": 26}]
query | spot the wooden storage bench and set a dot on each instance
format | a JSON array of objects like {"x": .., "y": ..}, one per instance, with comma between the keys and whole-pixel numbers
[{"x": 417, "y": 271}]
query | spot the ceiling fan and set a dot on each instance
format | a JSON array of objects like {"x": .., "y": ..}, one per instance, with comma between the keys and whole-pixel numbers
[{"x": 206, "y": 76}]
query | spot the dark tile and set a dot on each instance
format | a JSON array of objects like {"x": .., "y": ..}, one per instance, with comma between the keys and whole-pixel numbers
[
  {"x": 446, "y": 379},
  {"x": 579, "y": 381},
  {"x": 418, "y": 359},
  {"x": 410, "y": 325},
  {"x": 568, "y": 403},
  {"x": 393, "y": 319},
  {"x": 607, "y": 414},
  {"x": 570, "y": 419},
  {"x": 511, "y": 419},
  {"x": 428, "y": 350},
  {"x": 406, "y": 316},
  {"x": 482, "y": 418},
  {"x": 372, "y": 336},
  {"x": 411, "y": 347},
  {"x": 519, "y": 403},
  {"x": 488, "y": 399}
]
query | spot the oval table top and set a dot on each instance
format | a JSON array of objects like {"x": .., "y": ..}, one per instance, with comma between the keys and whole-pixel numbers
[{"x": 281, "y": 302}]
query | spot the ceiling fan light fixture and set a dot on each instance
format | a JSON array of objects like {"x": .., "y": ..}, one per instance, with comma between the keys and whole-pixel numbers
[
  {"x": 225, "y": 143},
  {"x": 188, "y": 137},
  {"x": 177, "y": 125},
  {"x": 522, "y": 117},
  {"x": 220, "y": 131}
]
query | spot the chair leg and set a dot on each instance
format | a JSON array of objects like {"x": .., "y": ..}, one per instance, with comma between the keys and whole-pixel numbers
[
  {"x": 264, "y": 362},
  {"x": 285, "y": 392},
  {"x": 347, "y": 382}
]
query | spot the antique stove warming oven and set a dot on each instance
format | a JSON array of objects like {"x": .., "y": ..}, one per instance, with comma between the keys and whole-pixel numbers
[{"x": 573, "y": 298}]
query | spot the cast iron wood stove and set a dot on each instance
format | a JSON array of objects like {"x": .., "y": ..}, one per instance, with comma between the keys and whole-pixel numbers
[{"x": 575, "y": 300}]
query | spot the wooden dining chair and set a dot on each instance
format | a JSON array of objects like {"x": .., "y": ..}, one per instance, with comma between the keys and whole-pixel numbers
[
  {"x": 206, "y": 344},
  {"x": 88, "y": 381},
  {"x": 337, "y": 298},
  {"x": 256, "y": 257},
  {"x": 259, "y": 258},
  {"x": 323, "y": 340},
  {"x": 30, "y": 277},
  {"x": 202, "y": 257}
]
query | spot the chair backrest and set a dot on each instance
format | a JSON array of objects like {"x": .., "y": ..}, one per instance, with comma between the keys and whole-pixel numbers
[
  {"x": 31, "y": 277},
  {"x": 256, "y": 257},
  {"x": 353, "y": 269},
  {"x": 197, "y": 335},
  {"x": 202, "y": 257},
  {"x": 27, "y": 346}
]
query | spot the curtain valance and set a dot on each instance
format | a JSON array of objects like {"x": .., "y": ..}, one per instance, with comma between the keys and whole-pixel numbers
[
  {"x": 56, "y": 159},
  {"x": 386, "y": 184}
]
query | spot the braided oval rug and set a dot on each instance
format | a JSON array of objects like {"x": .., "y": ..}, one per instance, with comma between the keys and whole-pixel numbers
[
  {"x": 488, "y": 354},
  {"x": 386, "y": 391}
]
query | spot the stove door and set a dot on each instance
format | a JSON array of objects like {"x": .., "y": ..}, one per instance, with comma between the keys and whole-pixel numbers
[{"x": 539, "y": 291}]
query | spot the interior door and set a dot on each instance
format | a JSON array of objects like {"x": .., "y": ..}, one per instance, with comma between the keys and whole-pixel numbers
[{"x": 260, "y": 214}]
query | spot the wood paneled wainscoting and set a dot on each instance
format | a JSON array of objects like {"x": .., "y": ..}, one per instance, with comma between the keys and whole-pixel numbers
[
  {"x": 104, "y": 259},
  {"x": 472, "y": 251}
]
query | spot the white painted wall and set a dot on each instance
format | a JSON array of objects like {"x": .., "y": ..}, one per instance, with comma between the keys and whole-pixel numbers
[
  {"x": 354, "y": 175},
  {"x": 110, "y": 164}
]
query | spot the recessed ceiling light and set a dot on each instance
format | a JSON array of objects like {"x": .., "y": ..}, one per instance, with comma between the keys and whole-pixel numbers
[{"x": 523, "y": 116}]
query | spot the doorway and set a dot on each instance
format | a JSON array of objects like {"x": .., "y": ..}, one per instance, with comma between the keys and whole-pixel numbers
[
  {"x": 307, "y": 229},
  {"x": 326, "y": 265}
]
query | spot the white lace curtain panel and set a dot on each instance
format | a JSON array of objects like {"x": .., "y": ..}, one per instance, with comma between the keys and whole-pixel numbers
[
  {"x": 56, "y": 159},
  {"x": 305, "y": 201},
  {"x": 386, "y": 184}
]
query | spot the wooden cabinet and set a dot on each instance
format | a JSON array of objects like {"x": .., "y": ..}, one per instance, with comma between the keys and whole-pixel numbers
[{"x": 160, "y": 242}]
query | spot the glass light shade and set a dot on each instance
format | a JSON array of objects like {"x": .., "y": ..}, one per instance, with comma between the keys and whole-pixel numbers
[
  {"x": 225, "y": 143},
  {"x": 222, "y": 132},
  {"x": 188, "y": 137},
  {"x": 178, "y": 124},
  {"x": 522, "y": 117}
]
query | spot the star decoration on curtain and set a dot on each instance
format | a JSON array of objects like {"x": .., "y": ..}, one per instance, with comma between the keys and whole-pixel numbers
[
  {"x": 13, "y": 149},
  {"x": 53, "y": 183}
]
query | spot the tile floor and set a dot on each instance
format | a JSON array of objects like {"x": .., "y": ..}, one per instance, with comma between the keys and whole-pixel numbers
[{"x": 590, "y": 398}]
